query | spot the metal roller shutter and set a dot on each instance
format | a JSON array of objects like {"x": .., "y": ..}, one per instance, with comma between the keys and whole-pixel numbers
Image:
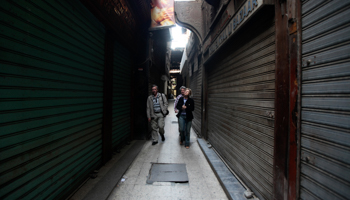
[
  {"x": 196, "y": 87},
  {"x": 51, "y": 69},
  {"x": 325, "y": 100},
  {"x": 121, "y": 94},
  {"x": 240, "y": 96}
]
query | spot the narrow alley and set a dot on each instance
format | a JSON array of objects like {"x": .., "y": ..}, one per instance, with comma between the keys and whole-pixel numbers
[
  {"x": 263, "y": 85},
  {"x": 202, "y": 183}
]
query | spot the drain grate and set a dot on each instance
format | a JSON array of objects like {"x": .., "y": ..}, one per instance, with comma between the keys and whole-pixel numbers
[{"x": 166, "y": 172}]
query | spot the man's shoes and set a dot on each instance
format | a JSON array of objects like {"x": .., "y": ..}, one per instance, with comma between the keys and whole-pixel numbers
[
  {"x": 163, "y": 138},
  {"x": 154, "y": 143},
  {"x": 187, "y": 147}
]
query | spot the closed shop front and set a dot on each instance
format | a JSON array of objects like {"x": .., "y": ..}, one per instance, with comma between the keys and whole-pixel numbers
[
  {"x": 51, "y": 97},
  {"x": 121, "y": 94},
  {"x": 240, "y": 103},
  {"x": 325, "y": 101}
]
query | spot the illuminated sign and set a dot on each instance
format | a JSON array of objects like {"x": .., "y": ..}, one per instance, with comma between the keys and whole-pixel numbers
[
  {"x": 244, "y": 13},
  {"x": 162, "y": 14}
]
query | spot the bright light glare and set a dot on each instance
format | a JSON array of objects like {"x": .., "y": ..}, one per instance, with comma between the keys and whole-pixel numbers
[{"x": 179, "y": 39}]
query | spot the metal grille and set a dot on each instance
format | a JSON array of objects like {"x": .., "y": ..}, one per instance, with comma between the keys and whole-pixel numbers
[
  {"x": 240, "y": 96},
  {"x": 52, "y": 58},
  {"x": 325, "y": 101},
  {"x": 119, "y": 11}
]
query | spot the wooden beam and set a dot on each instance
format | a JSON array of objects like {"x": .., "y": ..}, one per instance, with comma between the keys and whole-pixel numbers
[
  {"x": 295, "y": 194},
  {"x": 294, "y": 23},
  {"x": 281, "y": 130},
  {"x": 293, "y": 110}
]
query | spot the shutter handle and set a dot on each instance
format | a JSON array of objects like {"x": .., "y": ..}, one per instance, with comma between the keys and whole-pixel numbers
[
  {"x": 270, "y": 114},
  {"x": 307, "y": 159},
  {"x": 308, "y": 62}
]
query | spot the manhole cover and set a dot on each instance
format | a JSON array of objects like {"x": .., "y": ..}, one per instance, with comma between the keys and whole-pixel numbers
[{"x": 166, "y": 172}]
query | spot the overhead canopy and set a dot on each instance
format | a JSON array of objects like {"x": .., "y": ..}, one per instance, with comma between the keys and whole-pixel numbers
[
  {"x": 176, "y": 56},
  {"x": 213, "y": 2}
]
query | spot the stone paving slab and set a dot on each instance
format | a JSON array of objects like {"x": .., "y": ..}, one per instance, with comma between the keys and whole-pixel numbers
[{"x": 168, "y": 172}]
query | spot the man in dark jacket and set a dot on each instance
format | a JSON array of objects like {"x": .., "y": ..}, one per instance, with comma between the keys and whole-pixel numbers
[
  {"x": 185, "y": 115},
  {"x": 182, "y": 89}
]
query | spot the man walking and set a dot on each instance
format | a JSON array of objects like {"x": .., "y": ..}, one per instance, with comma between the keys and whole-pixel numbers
[
  {"x": 157, "y": 106},
  {"x": 182, "y": 89}
]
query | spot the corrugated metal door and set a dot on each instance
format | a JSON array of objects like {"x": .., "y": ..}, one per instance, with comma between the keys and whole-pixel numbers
[
  {"x": 196, "y": 87},
  {"x": 51, "y": 69},
  {"x": 325, "y": 100},
  {"x": 240, "y": 99},
  {"x": 121, "y": 94}
]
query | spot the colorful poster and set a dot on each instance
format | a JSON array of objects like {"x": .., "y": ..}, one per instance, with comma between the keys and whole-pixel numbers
[{"x": 162, "y": 14}]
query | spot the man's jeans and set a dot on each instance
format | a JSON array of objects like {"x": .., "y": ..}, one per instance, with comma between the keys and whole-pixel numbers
[
  {"x": 156, "y": 123},
  {"x": 185, "y": 128}
]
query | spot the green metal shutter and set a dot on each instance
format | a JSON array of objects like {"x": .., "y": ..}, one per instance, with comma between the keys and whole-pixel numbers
[
  {"x": 325, "y": 100},
  {"x": 51, "y": 69},
  {"x": 121, "y": 94}
]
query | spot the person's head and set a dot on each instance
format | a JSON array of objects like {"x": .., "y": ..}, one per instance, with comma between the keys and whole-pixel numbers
[
  {"x": 154, "y": 89},
  {"x": 188, "y": 92},
  {"x": 182, "y": 89}
]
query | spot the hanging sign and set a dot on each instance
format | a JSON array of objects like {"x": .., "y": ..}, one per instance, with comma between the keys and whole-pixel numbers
[
  {"x": 242, "y": 16},
  {"x": 162, "y": 14}
]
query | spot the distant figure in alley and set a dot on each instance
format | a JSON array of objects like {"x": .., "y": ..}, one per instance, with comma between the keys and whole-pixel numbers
[
  {"x": 157, "y": 106},
  {"x": 185, "y": 115}
]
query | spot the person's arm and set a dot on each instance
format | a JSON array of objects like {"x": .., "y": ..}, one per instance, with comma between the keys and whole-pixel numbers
[
  {"x": 148, "y": 110},
  {"x": 179, "y": 104},
  {"x": 175, "y": 104},
  {"x": 165, "y": 102},
  {"x": 192, "y": 106}
]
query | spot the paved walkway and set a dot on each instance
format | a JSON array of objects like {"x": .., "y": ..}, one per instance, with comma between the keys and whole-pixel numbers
[{"x": 202, "y": 184}]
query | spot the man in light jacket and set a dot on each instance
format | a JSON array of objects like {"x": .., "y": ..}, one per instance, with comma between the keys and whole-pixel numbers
[{"x": 157, "y": 106}]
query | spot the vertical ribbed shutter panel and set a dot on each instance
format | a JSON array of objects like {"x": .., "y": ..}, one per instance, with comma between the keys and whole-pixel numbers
[
  {"x": 325, "y": 100},
  {"x": 240, "y": 93},
  {"x": 121, "y": 94},
  {"x": 196, "y": 87},
  {"x": 51, "y": 69}
]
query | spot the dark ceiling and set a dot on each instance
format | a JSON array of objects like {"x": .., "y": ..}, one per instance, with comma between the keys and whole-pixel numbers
[{"x": 176, "y": 56}]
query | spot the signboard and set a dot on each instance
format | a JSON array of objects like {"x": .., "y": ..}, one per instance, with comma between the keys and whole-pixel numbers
[
  {"x": 242, "y": 16},
  {"x": 162, "y": 14},
  {"x": 207, "y": 43}
]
